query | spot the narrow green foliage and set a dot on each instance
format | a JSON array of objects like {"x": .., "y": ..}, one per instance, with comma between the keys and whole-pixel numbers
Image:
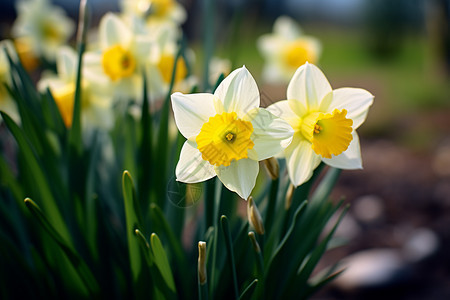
[
  {"x": 36, "y": 172},
  {"x": 161, "y": 261},
  {"x": 249, "y": 290},
  {"x": 229, "y": 246},
  {"x": 77, "y": 262},
  {"x": 132, "y": 222}
]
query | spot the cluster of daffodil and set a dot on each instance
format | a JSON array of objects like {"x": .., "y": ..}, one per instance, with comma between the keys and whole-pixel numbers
[
  {"x": 142, "y": 38},
  {"x": 72, "y": 227},
  {"x": 228, "y": 133}
]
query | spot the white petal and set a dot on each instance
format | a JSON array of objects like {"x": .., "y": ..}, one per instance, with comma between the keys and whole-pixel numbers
[
  {"x": 307, "y": 88},
  {"x": 239, "y": 176},
  {"x": 350, "y": 159},
  {"x": 178, "y": 14},
  {"x": 274, "y": 73},
  {"x": 283, "y": 110},
  {"x": 67, "y": 63},
  {"x": 238, "y": 92},
  {"x": 287, "y": 28},
  {"x": 271, "y": 134},
  {"x": 355, "y": 101},
  {"x": 113, "y": 32},
  {"x": 191, "y": 167},
  {"x": 145, "y": 49},
  {"x": 270, "y": 45},
  {"x": 192, "y": 111},
  {"x": 301, "y": 160}
]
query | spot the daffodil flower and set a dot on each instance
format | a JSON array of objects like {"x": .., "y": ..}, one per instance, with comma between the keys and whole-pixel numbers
[
  {"x": 285, "y": 50},
  {"x": 155, "y": 11},
  {"x": 325, "y": 123},
  {"x": 95, "y": 105},
  {"x": 227, "y": 133},
  {"x": 122, "y": 58},
  {"x": 7, "y": 104},
  {"x": 43, "y": 26}
]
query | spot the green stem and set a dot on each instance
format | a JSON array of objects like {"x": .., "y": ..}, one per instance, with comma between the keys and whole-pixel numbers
[
  {"x": 218, "y": 192},
  {"x": 208, "y": 39},
  {"x": 270, "y": 211},
  {"x": 229, "y": 246}
]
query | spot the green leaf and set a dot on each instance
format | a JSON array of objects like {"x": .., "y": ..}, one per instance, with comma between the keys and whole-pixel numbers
[
  {"x": 229, "y": 246},
  {"x": 75, "y": 138},
  {"x": 41, "y": 182},
  {"x": 78, "y": 263},
  {"x": 249, "y": 290},
  {"x": 297, "y": 283},
  {"x": 325, "y": 187},
  {"x": 133, "y": 222},
  {"x": 145, "y": 150},
  {"x": 9, "y": 180},
  {"x": 175, "y": 243},
  {"x": 161, "y": 261},
  {"x": 144, "y": 246},
  {"x": 282, "y": 258}
]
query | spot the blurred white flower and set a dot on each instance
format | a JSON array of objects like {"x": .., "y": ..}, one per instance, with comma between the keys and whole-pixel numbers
[
  {"x": 286, "y": 49},
  {"x": 218, "y": 66},
  {"x": 42, "y": 26},
  {"x": 155, "y": 12},
  {"x": 161, "y": 71},
  {"x": 96, "y": 109},
  {"x": 7, "y": 104},
  {"x": 122, "y": 58},
  {"x": 228, "y": 133},
  {"x": 324, "y": 121}
]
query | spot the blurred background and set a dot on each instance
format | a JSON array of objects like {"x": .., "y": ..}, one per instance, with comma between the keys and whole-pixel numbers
[{"x": 396, "y": 237}]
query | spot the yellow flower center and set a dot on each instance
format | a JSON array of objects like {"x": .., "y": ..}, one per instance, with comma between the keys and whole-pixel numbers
[
  {"x": 160, "y": 8},
  {"x": 26, "y": 54},
  {"x": 297, "y": 53},
  {"x": 51, "y": 32},
  {"x": 330, "y": 134},
  {"x": 64, "y": 98},
  {"x": 165, "y": 66},
  {"x": 118, "y": 63},
  {"x": 225, "y": 138}
]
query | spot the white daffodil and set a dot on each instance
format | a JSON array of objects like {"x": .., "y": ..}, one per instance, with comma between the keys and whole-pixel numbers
[
  {"x": 155, "y": 12},
  {"x": 95, "y": 104},
  {"x": 227, "y": 133},
  {"x": 325, "y": 123},
  {"x": 161, "y": 71},
  {"x": 285, "y": 50},
  {"x": 7, "y": 103},
  {"x": 218, "y": 66},
  {"x": 122, "y": 58},
  {"x": 43, "y": 26}
]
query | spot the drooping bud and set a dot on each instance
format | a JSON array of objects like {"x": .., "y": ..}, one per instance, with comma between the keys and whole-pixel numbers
[
  {"x": 83, "y": 22},
  {"x": 289, "y": 194},
  {"x": 202, "y": 262},
  {"x": 272, "y": 167},
  {"x": 254, "y": 217},
  {"x": 255, "y": 243}
]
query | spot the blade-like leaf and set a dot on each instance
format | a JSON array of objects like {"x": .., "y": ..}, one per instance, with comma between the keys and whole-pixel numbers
[
  {"x": 161, "y": 261},
  {"x": 36, "y": 172},
  {"x": 249, "y": 290},
  {"x": 78, "y": 263},
  {"x": 132, "y": 222}
]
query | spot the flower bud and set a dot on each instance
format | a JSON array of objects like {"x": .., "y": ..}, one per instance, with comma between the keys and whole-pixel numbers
[
  {"x": 254, "y": 217},
  {"x": 83, "y": 22},
  {"x": 255, "y": 243},
  {"x": 272, "y": 167},
  {"x": 202, "y": 262},
  {"x": 289, "y": 194}
]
